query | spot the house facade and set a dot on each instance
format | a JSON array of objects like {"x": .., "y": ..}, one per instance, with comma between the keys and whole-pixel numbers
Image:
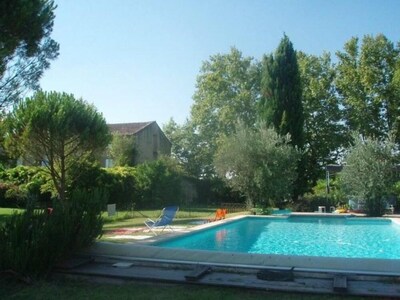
[{"x": 150, "y": 140}]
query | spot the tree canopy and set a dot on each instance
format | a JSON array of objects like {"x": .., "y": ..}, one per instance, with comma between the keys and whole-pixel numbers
[
  {"x": 226, "y": 91},
  {"x": 366, "y": 86},
  {"x": 25, "y": 46},
  {"x": 325, "y": 135},
  {"x": 57, "y": 130},
  {"x": 318, "y": 102}
]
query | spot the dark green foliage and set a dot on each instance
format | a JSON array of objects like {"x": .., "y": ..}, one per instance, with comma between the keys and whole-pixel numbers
[
  {"x": 158, "y": 184},
  {"x": 214, "y": 191},
  {"x": 26, "y": 46},
  {"x": 320, "y": 197},
  {"x": 149, "y": 185},
  {"x": 325, "y": 135},
  {"x": 85, "y": 175},
  {"x": 281, "y": 105},
  {"x": 120, "y": 183},
  {"x": 31, "y": 243}
]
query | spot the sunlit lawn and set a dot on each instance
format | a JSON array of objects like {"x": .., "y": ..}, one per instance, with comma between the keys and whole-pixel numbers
[{"x": 135, "y": 219}]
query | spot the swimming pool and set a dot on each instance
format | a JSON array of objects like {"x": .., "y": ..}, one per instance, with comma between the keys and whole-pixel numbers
[{"x": 343, "y": 237}]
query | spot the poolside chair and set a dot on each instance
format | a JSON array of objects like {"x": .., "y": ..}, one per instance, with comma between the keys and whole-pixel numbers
[
  {"x": 164, "y": 220},
  {"x": 220, "y": 214}
]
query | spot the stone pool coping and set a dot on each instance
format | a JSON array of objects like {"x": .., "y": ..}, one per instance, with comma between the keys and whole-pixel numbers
[{"x": 145, "y": 251}]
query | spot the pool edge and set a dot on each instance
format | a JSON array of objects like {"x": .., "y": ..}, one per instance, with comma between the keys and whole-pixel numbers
[{"x": 145, "y": 250}]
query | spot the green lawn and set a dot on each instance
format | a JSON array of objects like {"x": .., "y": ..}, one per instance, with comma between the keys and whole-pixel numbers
[
  {"x": 74, "y": 289},
  {"x": 137, "y": 218}
]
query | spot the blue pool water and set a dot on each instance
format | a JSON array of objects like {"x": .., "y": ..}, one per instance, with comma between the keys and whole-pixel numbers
[{"x": 303, "y": 236}]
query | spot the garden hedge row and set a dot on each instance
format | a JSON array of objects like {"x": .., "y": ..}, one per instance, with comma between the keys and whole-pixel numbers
[{"x": 150, "y": 185}]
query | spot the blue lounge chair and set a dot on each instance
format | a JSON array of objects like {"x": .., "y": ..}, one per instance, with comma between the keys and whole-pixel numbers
[{"x": 164, "y": 220}]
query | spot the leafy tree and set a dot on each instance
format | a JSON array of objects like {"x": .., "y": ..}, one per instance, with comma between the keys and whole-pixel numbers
[
  {"x": 281, "y": 105},
  {"x": 185, "y": 147},
  {"x": 26, "y": 47},
  {"x": 258, "y": 163},
  {"x": 123, "y": 150},
  {"x": 369, "y": 173},
  {"x": 395, "y": 86},
  {"x": 57, "y": 130},
  {"x": 364, "y": 82},
  {"x": 227, "y": 91},
  {"x": 324, "y": 132}
]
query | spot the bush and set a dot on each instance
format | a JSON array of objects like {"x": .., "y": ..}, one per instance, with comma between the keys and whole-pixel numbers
[
  {"x": 370, "y": 173},
  {"x": 118, "y": 182},
  {"x": 158, "y": 183},
  {"x": 31, "y": 243},
  {"x": 23, "y": 182},
  {"x": 320, "y": 197},
  {"x": 150, "y": 185}
]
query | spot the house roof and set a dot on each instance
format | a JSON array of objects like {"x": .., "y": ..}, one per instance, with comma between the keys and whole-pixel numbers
[{"x": 128, "y": 128}]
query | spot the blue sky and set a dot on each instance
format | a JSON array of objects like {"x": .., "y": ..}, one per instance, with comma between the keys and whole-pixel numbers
[{"x": 138, "y": 60}]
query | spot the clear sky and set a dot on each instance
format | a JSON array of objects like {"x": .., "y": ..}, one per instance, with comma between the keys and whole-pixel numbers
[{"x": 138, "y": 60}]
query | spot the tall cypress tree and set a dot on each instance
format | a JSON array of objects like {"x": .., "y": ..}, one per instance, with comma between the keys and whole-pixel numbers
[{"x": 281, "y": 104}]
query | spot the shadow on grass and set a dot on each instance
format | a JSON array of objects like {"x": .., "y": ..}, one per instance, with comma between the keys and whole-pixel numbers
[{"x": 3, "y": 218}]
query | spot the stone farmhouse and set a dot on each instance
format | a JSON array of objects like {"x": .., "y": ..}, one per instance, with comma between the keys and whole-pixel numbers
[{"x": 150, "y": 140}]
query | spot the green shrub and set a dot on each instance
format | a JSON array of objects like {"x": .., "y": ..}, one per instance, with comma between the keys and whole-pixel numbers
[
  {"x": 370, "y": 173},
  {"x": 320, "y": 197},
  {"x": 31, "y": 243},
  {"x": 120, "y": 183},
  {"x": 23, "y": 182},
  {"x": 85, "y": 175},
  {"x": 158, "y": 183}
]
